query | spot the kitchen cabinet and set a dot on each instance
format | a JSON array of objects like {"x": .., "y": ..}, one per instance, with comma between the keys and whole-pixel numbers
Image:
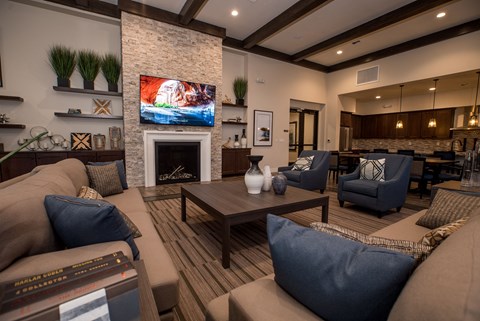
[
  {"x": 235, "y": 161},
  {"x": 357, "y": 126},
  {"x": 345, "y": 119},
  {"x": 369, "y": 126}
]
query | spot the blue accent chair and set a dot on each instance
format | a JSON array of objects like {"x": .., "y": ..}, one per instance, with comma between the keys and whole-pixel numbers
[
  {"x": 376, "y": 195},
  {"x": 315, "y": 177}
]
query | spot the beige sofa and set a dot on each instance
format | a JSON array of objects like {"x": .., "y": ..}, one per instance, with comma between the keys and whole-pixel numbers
[
  {"x": 444, "y": 287},
  {"x": 29, "y": 246}
]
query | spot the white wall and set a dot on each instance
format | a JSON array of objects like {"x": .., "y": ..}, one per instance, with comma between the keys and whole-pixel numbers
[
  {"x": 26, "y": 34},
  {"x": 282, "y": 82},
  {"x": 447, "y": 57}
]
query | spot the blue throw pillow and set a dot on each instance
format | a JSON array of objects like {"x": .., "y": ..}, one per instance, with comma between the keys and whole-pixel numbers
[
  {"x": 80, "y": 222},
  {"x": 336, "y": 278},
  {"x": 120, "y": 168}
]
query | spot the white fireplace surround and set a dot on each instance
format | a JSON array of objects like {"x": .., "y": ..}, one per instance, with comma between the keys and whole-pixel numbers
[{"x": 152, "y": 136}]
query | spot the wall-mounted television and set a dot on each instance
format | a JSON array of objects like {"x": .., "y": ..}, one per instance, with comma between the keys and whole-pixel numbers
[{"x": 168, "y": 101}]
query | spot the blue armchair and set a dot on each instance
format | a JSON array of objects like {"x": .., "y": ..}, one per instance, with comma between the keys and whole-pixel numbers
[
  {"x": 377, "y": 195},
  {"x": 315, "y": 177}
]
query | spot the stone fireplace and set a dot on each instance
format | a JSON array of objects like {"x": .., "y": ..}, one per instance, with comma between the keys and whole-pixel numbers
[
  {"x": 151, "y": 137},
  {"x": 177, "y": 162}
]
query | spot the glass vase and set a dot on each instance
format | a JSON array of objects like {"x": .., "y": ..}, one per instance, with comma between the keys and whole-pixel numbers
[
  {"x": 254, "y": 177},
  {"x": 467, "y": 169}
]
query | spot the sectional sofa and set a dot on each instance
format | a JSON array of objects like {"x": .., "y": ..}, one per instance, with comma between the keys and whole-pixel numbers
[
  {"x": 29, "y": 244},
  {"x": 446, "y": 286}
]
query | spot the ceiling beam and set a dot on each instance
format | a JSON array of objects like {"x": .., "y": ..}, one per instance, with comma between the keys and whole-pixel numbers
[
  {"x": 190, "y": 10},
  {"x": 262, "y": 51},
  {"x": 395, "y": 16},
  {"x": 99, "y": 7},
  {"x": 292, "y": 14},
  {"x": 446, "y": 34},
  {"x": 157, "y": 14}
]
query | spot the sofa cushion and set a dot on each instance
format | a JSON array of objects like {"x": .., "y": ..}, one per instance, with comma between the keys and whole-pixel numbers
[
  {"x": 437, "y": 236},
  {"x": 361, "y": 186},
  {"x": 325, "y": 272},
  {"x": 418, "y": 251},
  {"x": 446, "y": 287},
  {"x": 120, "y": 169},
  {"x": 447, "y": 207},
  {"x": 303, "y": 163},
  {"x": 105, "y": 179},
  {"x": 372, "y": 169},
  {"x": 89, "y": 193},
  {"x": 80, "y": 222}
]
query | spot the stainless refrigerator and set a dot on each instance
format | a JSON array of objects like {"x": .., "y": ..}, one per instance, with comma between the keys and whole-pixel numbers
[{"x": 346, "y": 135}]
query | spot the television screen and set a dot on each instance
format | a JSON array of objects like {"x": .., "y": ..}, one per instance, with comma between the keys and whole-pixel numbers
[{"x": 175, "y": 102}]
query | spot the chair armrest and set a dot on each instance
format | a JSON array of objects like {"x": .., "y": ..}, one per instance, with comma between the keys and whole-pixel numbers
[{"x": 285, "y": 168}]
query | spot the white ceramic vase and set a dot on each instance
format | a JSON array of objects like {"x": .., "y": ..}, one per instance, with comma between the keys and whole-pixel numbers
[
  {"x": 267, "y": 179},
  {"x": 254, "y": 175}
]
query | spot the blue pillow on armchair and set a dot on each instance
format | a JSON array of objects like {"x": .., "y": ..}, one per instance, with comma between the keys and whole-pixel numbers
[
  {"x": 336, "y": 278},
  {"x": 80, "y": 222}
]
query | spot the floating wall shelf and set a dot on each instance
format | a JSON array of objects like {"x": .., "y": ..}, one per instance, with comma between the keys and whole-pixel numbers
[
  {"x": 87, "y": 91},
  {"x": 233, "y": 105},
  {"x": 12, "y": 126},
  {"x": 88, "y": 116},
  {"x": 234, "y": 122},
  {"x": 11, "y": 98}
]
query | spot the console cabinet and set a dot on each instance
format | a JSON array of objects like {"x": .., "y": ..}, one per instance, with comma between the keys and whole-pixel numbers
[
  {"x": 235, "y": 161},
  {"x": 24, "y": 162}
]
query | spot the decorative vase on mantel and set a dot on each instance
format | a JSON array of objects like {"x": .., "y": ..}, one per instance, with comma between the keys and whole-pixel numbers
[
  {"x": 236, "y": 143},
  {"x": 254, "y": 177}
]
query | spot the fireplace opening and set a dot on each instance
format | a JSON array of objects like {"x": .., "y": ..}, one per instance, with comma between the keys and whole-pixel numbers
[{"x": 177, "y": 162}]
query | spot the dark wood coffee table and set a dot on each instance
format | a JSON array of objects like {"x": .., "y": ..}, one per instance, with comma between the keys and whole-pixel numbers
[{"x": 229, "y": 203}]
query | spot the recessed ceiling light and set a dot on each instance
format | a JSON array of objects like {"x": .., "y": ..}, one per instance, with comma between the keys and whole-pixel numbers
[
  {"x": 234, "y": 13},
  {"x": 339, "y": 52},
  {"x": 441, "y": 14},
  {"x": 378, "y": 97}
]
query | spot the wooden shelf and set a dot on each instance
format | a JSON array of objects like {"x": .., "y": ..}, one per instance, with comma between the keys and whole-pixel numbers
[
  {"x": 233, "y": 105},
  {"x": 11, "y": 98},
  {"x": 88, "y": 116},
  {"x": 12, "y": 126},
  {"x": 87, "y": 91},
  {"x": 234, "y": 122}
]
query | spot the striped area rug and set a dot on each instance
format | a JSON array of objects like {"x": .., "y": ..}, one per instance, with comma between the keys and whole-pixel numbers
[{"x": 195, "y": 247}]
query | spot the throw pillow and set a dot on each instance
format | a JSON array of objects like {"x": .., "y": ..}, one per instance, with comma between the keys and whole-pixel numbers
[
  {"x": 120, "y": 168},
  {"x": 438, "y": 235},
  {"x": 303, "y": 163},
  {"x": 325, "y": 272},
  {"x": 372, "y": 169},
  {"x": 418, "y": 251},
  {"x": 105, "y": 179},
  {"x": 89, "y": 193},
  {"x": 447, "y": 207},
  {"x": 80, "y": 222}
]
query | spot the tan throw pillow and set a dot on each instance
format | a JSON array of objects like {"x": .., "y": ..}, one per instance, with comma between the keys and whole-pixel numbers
[
  {"x": 105, "y": 179},
  {"x": 438, "y": 235},
  {"x": 89, "y": 193},
  {"x": 447, "y": 207},
  {"x": 418, "y": 251}
]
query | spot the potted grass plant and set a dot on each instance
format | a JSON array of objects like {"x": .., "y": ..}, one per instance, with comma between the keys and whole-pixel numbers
[
  {"x": 240, "y": 86},
  {"x": 88, "y": 66},
  {"x": 111, "y": 68},
  {"x": 62, "y": 60}
]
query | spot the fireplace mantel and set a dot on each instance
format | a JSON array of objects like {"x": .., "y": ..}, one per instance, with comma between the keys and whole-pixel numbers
[{"x": 152, "y": 136}]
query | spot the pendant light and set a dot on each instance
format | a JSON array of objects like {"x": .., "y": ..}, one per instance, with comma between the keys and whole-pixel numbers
[
  {"x": 432, "y": 123},
  {"x": 399, "y": 124},
  {"x": 474, "y": 117}
]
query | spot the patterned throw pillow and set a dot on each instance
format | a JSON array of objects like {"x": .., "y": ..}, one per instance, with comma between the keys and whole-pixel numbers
[
  {"x": 372, "y": 169},
  {"x": 91, "y": 194},
  {"x": 105, "y": 179},
  {"x": 418, "y": 251},
  {"x": 438, "y": 235},
  {"x": 447, "y": 207},
  {"x": 303, "y": 163}
]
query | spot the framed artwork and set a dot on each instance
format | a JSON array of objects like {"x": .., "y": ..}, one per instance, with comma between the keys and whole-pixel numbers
[
  {"x": 102, "y": 107},
  {"x": 81, "y": 141},
  {"x": 262, "y": 128},
  {"x": 1, "y": 79},
  {"x": 292, "y": 135}
]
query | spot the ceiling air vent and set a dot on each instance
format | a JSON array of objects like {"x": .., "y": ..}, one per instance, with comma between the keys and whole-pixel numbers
[{"x": 366, "y": 76}]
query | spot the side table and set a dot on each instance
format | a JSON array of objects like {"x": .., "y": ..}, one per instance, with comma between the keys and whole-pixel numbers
[{"x": 148, "y": 307}]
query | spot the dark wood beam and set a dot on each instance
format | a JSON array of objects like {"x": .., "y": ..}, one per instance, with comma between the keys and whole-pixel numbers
[
  {"x": 292, "y": 14},
  {"x": 150, "y": 12},
  {"x": 262, "y": 51},
  {"x": 395, "y": 16},
  {"x": 190, "y": 9},
  {"x": 446, "y": 34},
  {"x": 99, "y": 7}
]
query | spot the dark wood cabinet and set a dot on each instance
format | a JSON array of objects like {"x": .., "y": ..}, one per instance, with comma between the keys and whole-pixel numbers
[
  {"x": 445, "y": 118},
  {"x": 357, "y": 126},
  {"x": 235, "y": 161},
  {"x": 414, "y": 125},
  {"x": 401, "y": 132},
  {"x": 24, "y": 162},
  {"x": 386, "y": 126},
  {"x": 369, "y": 126},
  {"x": 345, "y": 119}
]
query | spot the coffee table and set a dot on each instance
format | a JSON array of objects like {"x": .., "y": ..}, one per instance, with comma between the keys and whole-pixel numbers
[{"x": 229, "y": 203}]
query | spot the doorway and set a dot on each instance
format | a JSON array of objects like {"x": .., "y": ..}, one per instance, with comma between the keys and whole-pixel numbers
[{"x": 303, "y": 132}]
